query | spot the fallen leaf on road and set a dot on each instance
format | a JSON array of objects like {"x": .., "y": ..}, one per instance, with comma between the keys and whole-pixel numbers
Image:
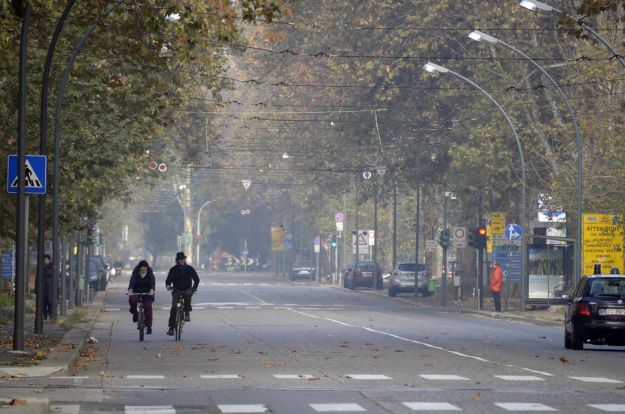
[
  {"x": 159, "y": 355},
  {"x": 314, "y": 379},
  {"x": 112, "y": 393},
  {"x": 178, "y": 348},
  {"x": 476, "y": 397},
  {"x": 18, "y": 401},
  {"x": 266, "y": 364},
  {"x": 236, "y": 351},
  {"x": 564, "y": 360}
]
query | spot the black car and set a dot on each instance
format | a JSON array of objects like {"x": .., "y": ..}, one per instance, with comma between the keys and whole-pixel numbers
[
  {"x": 596, "y": 312},
  {"x": 302, "y": 269},
  {"x": 365, "y": 274}
]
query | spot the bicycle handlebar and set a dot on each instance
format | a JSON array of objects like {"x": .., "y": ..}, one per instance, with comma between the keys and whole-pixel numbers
[{"x": 139, "y": 294}]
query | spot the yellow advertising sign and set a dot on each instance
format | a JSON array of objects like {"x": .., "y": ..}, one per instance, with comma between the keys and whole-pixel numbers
[
  {"x": 277, "y": 239},
  {"x": 602, "y": 242},
  {"x": 497, "y": 223},
  {"x": 489, "y": 239}
]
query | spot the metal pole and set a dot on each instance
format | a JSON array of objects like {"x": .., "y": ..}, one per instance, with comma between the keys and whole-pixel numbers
[
  {"x": 417, "y": 228},
  {"x": 356, "y": 244},
  {"x": 480, "y": 258},
  {"x": 523, "y": 186},
  {"x": 43, "y": 149},
  {"x": 580, "y": 166},
  {"x": 444, "y": 278},
  {"x": 394, "y": 223},
  {"x": 375, "y": 224},
  {"x": 22, "y": 218},
  {"x": 198, "y": 224}
]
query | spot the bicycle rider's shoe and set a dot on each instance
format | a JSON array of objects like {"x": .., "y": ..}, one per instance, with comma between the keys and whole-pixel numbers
[
  {"x": 187, "y": 317},
  {"x": 148, "y": 331},
  {"x": 170, "y": 332},
  {"x": 135, "y": 317}
]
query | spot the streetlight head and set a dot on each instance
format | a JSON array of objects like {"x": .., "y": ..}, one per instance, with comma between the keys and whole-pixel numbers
[
  {"x": 534, "y": 5},
  {"x": 482, "y": 37},
  {"x": 434, "y": 68}
]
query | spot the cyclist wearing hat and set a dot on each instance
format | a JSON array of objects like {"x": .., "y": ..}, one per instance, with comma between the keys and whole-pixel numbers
[{"x": 184, "y": 280}]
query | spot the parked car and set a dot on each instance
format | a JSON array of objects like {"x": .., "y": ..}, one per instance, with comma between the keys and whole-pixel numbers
[
  {"x": 596, "y": 312},
  {"x": 302, "y": 269},
  {"x": 402, "y": 278},
  {"x": 96, "y": 273},
  {"x": 364, "y": 274}
]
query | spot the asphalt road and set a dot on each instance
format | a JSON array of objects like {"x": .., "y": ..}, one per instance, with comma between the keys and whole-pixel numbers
[{"x": 260, "y": 344}]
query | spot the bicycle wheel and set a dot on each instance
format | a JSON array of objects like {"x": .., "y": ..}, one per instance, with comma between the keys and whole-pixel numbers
[
  {"x": 178, "y": 324},
  {"x": 141, "y": 323}
]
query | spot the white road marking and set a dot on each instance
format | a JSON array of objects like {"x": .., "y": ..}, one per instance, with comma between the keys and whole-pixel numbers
[
  {"x": 431, "y": 406},
  {"x": 435, "y": 377},
  {"x": 291, "y": 304},
  {"x": 223, "y": 304},
  {"x": 431, "y": 346},
  {"x": 253, "y": 307},
  {"x": 65, "y": 409},
  {"x": 519, "y": 378},
  {"x": 336, "y": 408},
  {"x": 368, "y": 377},
  {"x": 147, "y": 409},
  {"x": 294, "y": 376},
  {"x": 280, "y": 307},
  {"x": 112, "y": 309},
  {"x": 546, "y": 374},
  {"x": 70, "y": 377},
  {"x": 242, "y": 408},
  {"x": 609, "y": 408},
  {"x": 525, "y": 407},
  {"x": 221, "y": 376},
  {"x": 224, "y": 307},
  {"x": 256, "y": 298},
  {"x": 145, "y": 377},
  {"x": 597, "y": 380}
]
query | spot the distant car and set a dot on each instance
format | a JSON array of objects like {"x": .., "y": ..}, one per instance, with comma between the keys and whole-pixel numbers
[
  {"x": 596, "y": 312},
  {"x": 402, "y": 279},
  {"x": 302, "y": 269},
  {"x": 364, "y": 274},
  {"x": 96, "y": 274}
]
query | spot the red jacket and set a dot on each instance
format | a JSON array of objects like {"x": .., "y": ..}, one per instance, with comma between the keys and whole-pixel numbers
[{"x": 496, "y": 279}]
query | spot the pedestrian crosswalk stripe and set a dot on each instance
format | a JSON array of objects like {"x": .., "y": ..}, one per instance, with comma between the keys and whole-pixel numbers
[
  {"x": 145, "y": 377},
  {"x": 221, "y": 376},
  {"x": 368, "y": 377},
  {"x": 242, "y": 408},
  {"x": 525, "y": 407},
  {"x": 149, "y": 409},
  {"x": 444, "y": 377},
  {"x": 597, "y": 380},
  {"x": 337, "y": 408},
  {"x": 609, "y": 408},
  {"x": 293, "y": 376},
  {"x": 519, "y": 378},
  {"x": 431, "y": 406},
  {"x": 65, "y": 409}
]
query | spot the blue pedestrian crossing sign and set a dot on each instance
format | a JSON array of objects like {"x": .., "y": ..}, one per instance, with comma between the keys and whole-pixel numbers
[
  {"x": 513, "y": 232},
  {"x": 34, "y": 177}
]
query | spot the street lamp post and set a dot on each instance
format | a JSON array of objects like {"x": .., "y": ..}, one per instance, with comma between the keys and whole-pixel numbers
[
  {"x": 199, "y": 232},
  {"x": 431, "y": 67},
  {"x": 478, "y": 37},
  {"x": 534, "y": 5}
]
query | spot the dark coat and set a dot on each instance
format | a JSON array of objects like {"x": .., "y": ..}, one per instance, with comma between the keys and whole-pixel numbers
[
  {"x": 183, "y": 277},
  {"x": 140, "y": 284},
  {"x": 48, "y": 275}
]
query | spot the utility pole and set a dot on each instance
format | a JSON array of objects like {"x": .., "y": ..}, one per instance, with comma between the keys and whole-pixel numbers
[
  {"x": 394, "y": 223},
  {"x": 417, "y": 231},
  {"x": 480, "y": 257},
  {"x": 444, "y": 278}
]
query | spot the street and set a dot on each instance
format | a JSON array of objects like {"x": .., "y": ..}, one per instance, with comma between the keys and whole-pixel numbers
[{"x": 260, "y": 344}]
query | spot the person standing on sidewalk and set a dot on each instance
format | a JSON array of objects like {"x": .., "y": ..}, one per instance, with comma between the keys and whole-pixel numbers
[
  {"x": 142, "y": 281},
  {"x": 48, "y": 296},
  {"x": 496, "y": 284},
  {"x": 184, "y": 279}
]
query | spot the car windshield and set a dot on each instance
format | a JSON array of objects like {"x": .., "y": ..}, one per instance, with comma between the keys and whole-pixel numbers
[
  {"x": 608, "y": 286},
  {"x": 303, "y": 264},
  {"x": 367, "y": 267},
  {"x": 410, "y": 267}
]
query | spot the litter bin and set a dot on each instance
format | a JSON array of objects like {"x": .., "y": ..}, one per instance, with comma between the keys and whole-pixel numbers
[{"x": 431, "y": 285}]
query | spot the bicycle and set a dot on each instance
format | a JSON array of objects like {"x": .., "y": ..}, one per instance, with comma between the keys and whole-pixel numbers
[
  {"x": 141, "y": 314},
  {"x": 179, "y": 314}
]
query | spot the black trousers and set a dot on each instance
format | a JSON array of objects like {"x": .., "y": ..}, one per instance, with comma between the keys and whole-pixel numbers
[
  {"x": 174, "y": 300},
  {"x": 497, "y": 300}
]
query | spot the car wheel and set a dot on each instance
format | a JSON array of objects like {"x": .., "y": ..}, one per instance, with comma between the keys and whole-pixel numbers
[
  {"x": 576, "y": 341},
  {"x": 392, "y": 292},
  {"x": 567, "y": 340}
]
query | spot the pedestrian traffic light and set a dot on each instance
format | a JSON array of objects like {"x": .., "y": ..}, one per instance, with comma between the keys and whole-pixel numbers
[
  {"x": 444, "y": 238},
  {"x": 477, "y": 237},
  {"x": 333, "y": 241}
]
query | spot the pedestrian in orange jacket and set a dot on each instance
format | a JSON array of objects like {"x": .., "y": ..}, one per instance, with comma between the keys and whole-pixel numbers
[{"x": 496, "y": 284}]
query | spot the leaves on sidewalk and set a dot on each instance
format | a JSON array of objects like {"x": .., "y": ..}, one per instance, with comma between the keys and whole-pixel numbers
[{"x": 18, "y": 402}]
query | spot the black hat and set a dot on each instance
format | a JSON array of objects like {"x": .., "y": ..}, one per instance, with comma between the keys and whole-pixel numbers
[
  {"x": 143, "y": 263},
  {"x": 180, "y": 256}
]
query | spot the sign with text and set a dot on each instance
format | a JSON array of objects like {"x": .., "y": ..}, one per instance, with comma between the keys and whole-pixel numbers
[
  {"x": 277, "y": 239},
  {"x": 497, "y": 223},
  {"x": 460, "y": 237},
  {"x": 602, "y": 242},
  {"x": 509, "y": 257}
]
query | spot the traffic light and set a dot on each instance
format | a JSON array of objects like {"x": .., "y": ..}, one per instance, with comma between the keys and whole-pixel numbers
[
  {"x": 477, "y": 237},
  {"x": 333, "y": 241},
  {"x": 444, "y": 238}
]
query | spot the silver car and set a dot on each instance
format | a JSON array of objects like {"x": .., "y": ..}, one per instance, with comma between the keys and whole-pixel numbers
[{"x": 402, "y": 278}]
